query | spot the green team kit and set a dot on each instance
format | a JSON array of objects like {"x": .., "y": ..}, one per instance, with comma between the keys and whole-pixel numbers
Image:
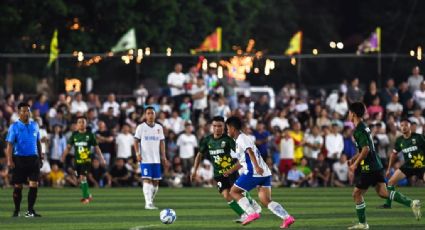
[{"x": 413, "y": 152}]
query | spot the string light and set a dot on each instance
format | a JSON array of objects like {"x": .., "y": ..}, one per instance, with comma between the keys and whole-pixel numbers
[
  {"x": 220, "y": 72},
  {"x": 412, "y": 53},
  {"x": 332, "y": 44},
  {"x": 169, "y": 50},
  {"x": 419, "y": 53},
  {"x": 205, "y": 65},
  {"x": 147, "y": 51},
  {"x": 80, "y": 56},
  {"x": 315, "y": 51},
  {"x": 293, "y": 61}
]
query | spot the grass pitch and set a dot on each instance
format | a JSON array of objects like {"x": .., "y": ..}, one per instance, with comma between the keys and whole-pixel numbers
[{"x": 201, "y": 208}]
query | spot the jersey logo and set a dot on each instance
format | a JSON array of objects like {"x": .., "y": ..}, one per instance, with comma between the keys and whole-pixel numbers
[
  {"x": 223, "y": 144},
  {"x": 414, "y": 141},
  {"x": 417, "y": 161}
]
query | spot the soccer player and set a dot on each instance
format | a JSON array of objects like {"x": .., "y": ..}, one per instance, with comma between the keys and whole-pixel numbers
[
  {"x": 217, "y": 147},
  {"x": 150, "y": 151},
  {"x": 412, "y": 145},
  {"x": 24, "y": 157},
  {"x": 368, "y": 170},
  {"x": 83, "y": 140},
  {"x": 255, "y": 174}
]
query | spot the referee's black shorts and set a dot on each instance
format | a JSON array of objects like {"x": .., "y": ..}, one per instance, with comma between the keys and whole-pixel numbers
[{"x": 26, "y": 168}]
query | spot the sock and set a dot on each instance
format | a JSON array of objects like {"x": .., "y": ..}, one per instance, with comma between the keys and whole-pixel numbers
[
  {"x": 388, "y": 201},
  {"x": 400, "y": 198},
  {"x": 247, "y": 195},
  {"x": 32, "y": 196},
  {"x": 246, "y": 206},
  {"x": 361, "y": 212},
  {"x": 277, "y": 209},
  {"x": 147, "y": 190},
  {"x": 17, "y": 197},
  {"x": 85, "y": 189},
  {"x": 154, "y": 191},
  {"x": 235, "y": 207}
]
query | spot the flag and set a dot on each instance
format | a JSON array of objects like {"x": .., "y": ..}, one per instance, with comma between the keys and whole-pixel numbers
[
  {"x": 126, "y": 42},
  {"x": 371, "y": 44},
  {"x": 295, "y": 44},
  {"x": 54, "y": 50},
  {"x": 212, "y": 43}
]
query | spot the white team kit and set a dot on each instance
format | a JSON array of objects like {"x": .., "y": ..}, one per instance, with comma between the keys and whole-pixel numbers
[{"x": 249, "y": 178}]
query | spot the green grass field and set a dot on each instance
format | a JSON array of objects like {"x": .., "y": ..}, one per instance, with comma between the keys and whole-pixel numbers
[{"x": 200, "y": 208}]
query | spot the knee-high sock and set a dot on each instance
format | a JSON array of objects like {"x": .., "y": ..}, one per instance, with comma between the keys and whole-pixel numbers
[
  {"x": 246, "y": 206},
  {"x": 154, "y": 191},
  {"x": 400, "y": 198},
  {"x": 32, "y": 197},
  {"x": 147, "y": 192},
  {"x": 235, "y": 207},
  {"x": 85, "y": 189},
  {"x": 361, "y": 212},
  {"x": 17, "y": 198},
  {"x": 247, "y": 195},
  {"x": 388, "y": 201},
  {"x": 277, "y": 209}
]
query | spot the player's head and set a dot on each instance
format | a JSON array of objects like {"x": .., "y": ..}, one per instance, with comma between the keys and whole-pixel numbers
[
  {"x": 233, "y": 125},
  {"x": 218, "y": 126},
  {"x": 24, "y": 111},
  {"x": 356, "y": 111},
  {"x": 81, "y": 123},
  {"x": 150, "y": 114},
  {"x": 405, "y": 126}
]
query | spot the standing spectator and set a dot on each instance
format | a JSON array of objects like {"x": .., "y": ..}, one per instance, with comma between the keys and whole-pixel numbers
[
  {"x": 93, "y": 102},
  {"x": 106, "y": 142},
  {"x": 23, "y": 153},
  {"x": 375, "y": 108},
  {"x": 341, "y": 106},
  {"x": 58, "y": 119},
  {"x": 140, "y": 93},
  {"x": 41, "y": 104},
  {"x": 262, "y": 139},
  {"x": 313, "y": 144},
  {"x": 419, "y": 96},
  {"x": 109, "y": 119},
  {"x": 92, "y": 120},
  {"x": 185, "y": 108},
  {"x": 177, "y": 123},
  {"x": 58, "y": 145},
  {"x": 334, "y": 145},
  {"x": 229, "y": 84},
  {"x": 349, "y": 145},
  {"x": 78, "y": 105},
  {"x": 176, "y": 81},
  {"x": 323, "y": 119},
  {"x": 388, "y": 92},
  {"x": 287, "y": 154},
  {"x": 261, "y": 107},
  {"x": 404, "y": 93},
  {"x": 354, "y": 93},
  {"x": 111, "y": 102},
  {"x": 415, "y": 80},
  {"x": 164, "y": 105},
  {"x": 124, "y": 142},
  {"x": 371, "y": 94},
  {"x": 199, "y": 95},
  {"x": 298, "y": 135},
  {"x": 418, "y": 119},
  {"x": 8, "y": 107},
  {"x": 280, "y": 121},
  {"x": 340, "y": 172},
  {"x": 172, "y": 148},
  {"x": 187, "y": 143},
  {"x": 394, "y": 106},
  {"x": 222, "y": 109}
]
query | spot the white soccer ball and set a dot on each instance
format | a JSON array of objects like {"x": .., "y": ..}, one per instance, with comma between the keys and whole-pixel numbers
[{"x": 167, "y": 216}]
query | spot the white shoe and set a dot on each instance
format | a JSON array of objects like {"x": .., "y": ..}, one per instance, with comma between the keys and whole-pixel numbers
[
  {"x": 416, "y": 208},
  {"x": 359, "y": 226},
  {"x": 241, "y": 219},
  {"x": 256, "y": 206},
  {"x": 150, "y": 207}
]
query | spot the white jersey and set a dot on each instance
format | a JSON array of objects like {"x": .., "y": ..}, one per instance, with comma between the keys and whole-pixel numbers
[
  {"x": 243, "y": 142},
  {"x": 150, "y": 138}
]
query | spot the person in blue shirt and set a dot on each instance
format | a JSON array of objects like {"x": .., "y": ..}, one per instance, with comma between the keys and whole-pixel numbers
[{"x": 24, "y": 157}]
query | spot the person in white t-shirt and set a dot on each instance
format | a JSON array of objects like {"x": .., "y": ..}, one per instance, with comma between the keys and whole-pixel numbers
[
  {"x": 255, "y": 173},
  {"x": 199, "y": 95},
  {"x": 124, "y": 142},
  {"x": 175, "y": 81},
  {"x": 340, "y": 176},
  {"x": 78, "y": 105},
  {"x": 150, "y": 151},
  {"x": 187, "y": 143},
  {"x": 111, "y": 102}
]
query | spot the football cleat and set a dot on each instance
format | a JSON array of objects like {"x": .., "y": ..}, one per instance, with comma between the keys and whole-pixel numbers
[
  {"x": 288, "y": 221},
  {"x": 416, "y": 208},
  {"x": 251, "y": 218},
  {"x": 31, "y": 214},
  {"x": 359, "y": 226}
]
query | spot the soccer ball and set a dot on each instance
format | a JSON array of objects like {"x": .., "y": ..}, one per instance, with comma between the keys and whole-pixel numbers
[{"x": 167, "y": 216}]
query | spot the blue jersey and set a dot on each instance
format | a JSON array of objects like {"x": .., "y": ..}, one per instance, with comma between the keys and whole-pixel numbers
[{"x": 24, "y": 138}]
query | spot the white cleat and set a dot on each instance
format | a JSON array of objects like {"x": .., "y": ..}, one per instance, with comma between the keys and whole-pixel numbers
[
  {"x": 359, "y": 226},
  {"x": 150, "y": 207},
  {"x": 241, "y": 219},
  {"x": 256, "y": 206},
  {"x": 416, "y": 208}
]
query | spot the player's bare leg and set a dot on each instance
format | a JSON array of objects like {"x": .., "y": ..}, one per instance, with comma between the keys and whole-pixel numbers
[{"x": 265, "y": 196}]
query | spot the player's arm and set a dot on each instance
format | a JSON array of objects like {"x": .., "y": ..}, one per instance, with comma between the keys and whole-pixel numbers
[
  {"x": 361, "y": 156},
  {"x": 235, "y": 168},
  {"x": 9, "y": 149},
  {"x": 196, "y": 166},
  {"x": 100, "y": 155},
  {"x": 257, "y": 167},
  {"x": 137, "y": 149},
  {"x": 40, "y": 153},
  {"x": 65, "y": 152},
  {"x": 163, "y": 156},
  {"x": 393, "y": 156}
]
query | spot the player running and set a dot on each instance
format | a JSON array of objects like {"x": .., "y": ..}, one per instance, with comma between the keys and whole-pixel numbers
[
  {"x": 83, "y": 140},
  {"x": 218, "y": 147},
  {"x": 150, "y": 151},
  {"x": 255, "y": 174},
  {"x": 368, "y": 170},
  {"x": 412, "y": 146}
]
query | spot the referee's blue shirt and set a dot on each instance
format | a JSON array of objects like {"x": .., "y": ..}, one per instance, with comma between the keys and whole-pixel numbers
[{"x": 24, "y": 138}]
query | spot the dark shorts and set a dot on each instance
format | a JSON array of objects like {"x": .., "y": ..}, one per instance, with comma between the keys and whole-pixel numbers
[
  {"x": 418, "y": 172},
  {"x": 26, "y": 168},
  {"x": 82, "y": 169},
  {"x": 365, "y": 180},
  {"x": 226, "y": 182}
]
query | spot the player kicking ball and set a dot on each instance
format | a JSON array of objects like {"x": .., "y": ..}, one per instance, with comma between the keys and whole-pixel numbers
[
  {"x": 82, "y": 141},
  {"x": 412, "y": 145},
  {"x": 255, "y": 174},
  {"x": 218, "y": 147},
  {"x": 368, "y": 170}
]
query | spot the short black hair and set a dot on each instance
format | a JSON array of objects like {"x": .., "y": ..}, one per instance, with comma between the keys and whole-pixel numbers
[
  {"x": 80, "y": 117},
  {"x": 358, "y": 108},
  {"x": 23, "y": 104},
  {"x": 234, "y": 122},
  {"x": 406, "y": 120},
  {"x": 218, "y": 118},
  {"x": 149, "y": 107}
]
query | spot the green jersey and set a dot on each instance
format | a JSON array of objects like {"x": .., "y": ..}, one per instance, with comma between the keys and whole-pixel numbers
[
  {"x": 218, "y": 151},
  {"x": 82, "y": 142},
  {"x": 412, "y": 149},
  {"x": 363, "y": 138}
]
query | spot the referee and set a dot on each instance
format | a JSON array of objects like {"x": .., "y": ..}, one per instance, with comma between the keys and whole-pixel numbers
[{"x": 24, "y": 157}]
